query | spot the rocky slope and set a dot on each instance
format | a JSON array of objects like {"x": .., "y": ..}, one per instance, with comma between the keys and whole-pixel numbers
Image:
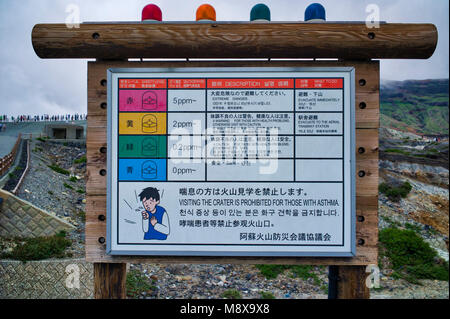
[
  {"x": 406, "y": 157},
  {"x": 57, "y": 193},
  {"x": 417, "y": 106}
]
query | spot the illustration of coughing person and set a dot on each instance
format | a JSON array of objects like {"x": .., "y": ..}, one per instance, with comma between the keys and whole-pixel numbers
[{"x": 155, "y": 220}]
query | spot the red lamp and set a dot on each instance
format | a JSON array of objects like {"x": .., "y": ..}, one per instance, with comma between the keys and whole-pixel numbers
[{"x": 151, "y": 12}]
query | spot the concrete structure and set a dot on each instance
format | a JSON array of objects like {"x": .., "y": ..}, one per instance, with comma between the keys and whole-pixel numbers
[
  {"x": 34, "y": 128},
  {"x": 19, "y": 218},
  {"x": 64, "y": 131},
  {"x": 31, "y": 130},
  {"x": 46, "y": 279}
]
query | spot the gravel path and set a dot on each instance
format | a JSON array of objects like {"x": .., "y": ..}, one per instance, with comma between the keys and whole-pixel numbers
[
  {"x": 181, "y": 281},
  {"x": 401, "y": 289},
  {"x": 211, "y": 281}
]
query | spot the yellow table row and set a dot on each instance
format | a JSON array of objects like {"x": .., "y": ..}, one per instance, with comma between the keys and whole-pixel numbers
[{"x": 142, "y": 123}]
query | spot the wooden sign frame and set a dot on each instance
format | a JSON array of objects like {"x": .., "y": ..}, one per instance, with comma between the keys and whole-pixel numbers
[{"x": 367, "y": 123}]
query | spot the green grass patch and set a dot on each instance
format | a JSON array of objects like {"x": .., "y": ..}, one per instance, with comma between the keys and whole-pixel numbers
[
  {"x": 305, "y": 272},
  {"x": 231, "y": 294},
  {"x": 137, "y": 283},
  {"x": 80, "y": 191},
  {"x": 73, "y": 179},
  {"x": 413, "y": 227},
  {"x": 59, "y": 170},
  {"x": 396, "y": 150},
  {"x": 82, "y": 215},
  {"x": 272, "y": 271},
  {"x": 426, "y": 155},
  {"x": 302, "y": 271},
  {"x": 324, "y": 289},
  {"x": 266, "y": 295},
  {"x": 412, "y": 258},
  {"x": 39, "y": 248},
  {"x": 424, "y": 111},
  {"x": 40, "y": 139},
  {"x": 68, "y": 186},
  {"x": 391, "y": 222},
  {"x": 80, "y": 160},
  {"x": 395, "y": 193}
]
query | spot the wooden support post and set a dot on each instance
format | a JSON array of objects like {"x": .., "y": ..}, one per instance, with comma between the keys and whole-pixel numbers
[
  {"x": 110, "y": 281},
  {"x": 348, "y": 282}
]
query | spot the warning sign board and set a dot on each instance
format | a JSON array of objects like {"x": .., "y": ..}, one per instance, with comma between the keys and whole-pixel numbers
[{"x": 231, "y": 162}]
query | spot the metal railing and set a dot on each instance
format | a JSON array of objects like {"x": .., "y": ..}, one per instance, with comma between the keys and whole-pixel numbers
[
  {"x": 33, "y": 135},
  {"x": 8, "y": 160},
  {"x": 25, "y": 171}
]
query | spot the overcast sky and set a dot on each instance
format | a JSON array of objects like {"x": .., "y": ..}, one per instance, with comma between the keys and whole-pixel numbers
[{"x": 30, "y": 85}]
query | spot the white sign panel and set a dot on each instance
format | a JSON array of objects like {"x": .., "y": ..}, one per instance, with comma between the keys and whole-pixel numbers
[{"x": 231, "y": 162}]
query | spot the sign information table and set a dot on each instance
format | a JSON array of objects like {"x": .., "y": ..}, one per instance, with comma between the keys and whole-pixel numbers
[{"x": 231, "y": 162}]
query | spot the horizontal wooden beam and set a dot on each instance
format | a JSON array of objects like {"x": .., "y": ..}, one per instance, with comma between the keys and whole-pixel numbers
[{"x": 349, "y": 41}]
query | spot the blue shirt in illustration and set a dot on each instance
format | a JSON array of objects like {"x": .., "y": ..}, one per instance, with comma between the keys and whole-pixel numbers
[{"x": 161, "y": 228}]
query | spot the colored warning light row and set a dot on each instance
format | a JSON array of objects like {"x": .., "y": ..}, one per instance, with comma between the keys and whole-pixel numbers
[{"x": 260, "y": 12}]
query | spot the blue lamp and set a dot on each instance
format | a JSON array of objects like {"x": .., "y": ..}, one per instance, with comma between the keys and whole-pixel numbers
[
  {"x": 260, "y": 12},
  {"x": 315, "y": 12}
]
